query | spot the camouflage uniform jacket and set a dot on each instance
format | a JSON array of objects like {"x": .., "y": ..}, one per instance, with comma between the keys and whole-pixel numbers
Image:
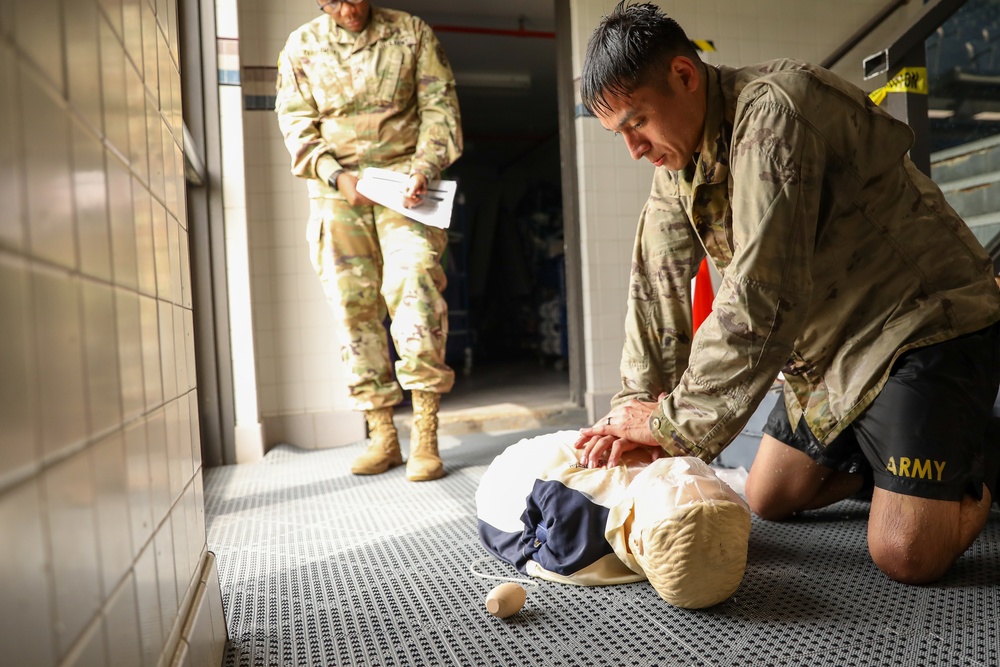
[
  {"x": 382, "y": 98},
  {"x": 836, "y": 255}
]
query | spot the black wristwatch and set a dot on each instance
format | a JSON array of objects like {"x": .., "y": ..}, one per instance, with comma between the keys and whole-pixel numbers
[{"x": 332, "y": 182}]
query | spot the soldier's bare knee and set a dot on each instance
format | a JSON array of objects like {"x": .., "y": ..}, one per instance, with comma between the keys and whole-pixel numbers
[
  {"x": 767, "y": 499},
  {"x": 910, "y": 561}
]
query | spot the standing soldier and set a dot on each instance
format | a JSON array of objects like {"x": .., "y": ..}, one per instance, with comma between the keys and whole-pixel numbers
[{"x": 360, "y": 87}]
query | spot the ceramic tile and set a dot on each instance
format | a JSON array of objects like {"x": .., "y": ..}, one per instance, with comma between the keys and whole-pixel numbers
[
  {"x": 195, "y": 430},
  {"x": 90, "y": 197},
  {"x": 189, "y": 348},
  {"x": 185, "y": 267},
  {"x": 196, "y": 539},
  {"x": 113, "y": 10},
  {"x": 172, "y": 28},
  {"x": 181, "y": 212},
  {"x": 129, "y": 330},
  {"x": 294, "y": 429},
  {"x": 103, "y": 389},
  {"x": 159, "y": 471},
  {"x": 112, "y": 499},
  {"x": 165, "y": 64},
  {"x": 339, "y": 427},
  {"x": 161, "y": 237},
  {"x": 150, "y": 68},
  {"x": 175, "y": 473},
  {"x": 69, "y": 493},
  {"x": 38, "y": 36},
  {"x": 113, "y": 86},
  {"x": 122, "y": 210},
  {"x": 184, "y": 424},
  {"x": 135, "y": 93},
  {"x": 131, "y": 11},
  {"x": 180, "y": 352},
  {"x": 47, "y": 169},
  {"x": 90, "y": 649},
  {"x": 152, "y": 379},
  {"x": 121, "y": 626},
  {"x": 155, "y": 144},
  {"x": 59, "y": 360},
  {"x": 18, "y": 438},
  {"x": 198, "y": 483},
  {"x": 174, "y": 233},
  {"x": 140, "y": 485},
  {"x": 168, "y": 363},
  {"x": 145, "y": 244},
  {"x": 227, "y": 19},
  {"x": 27, "y": 588},
  {"x": 80, "y": 20},
  {"x": 182, "y": 555},
  {"x": 12, "y": 226},
  {"x": 166, "y": 577},
  {"x": 148, "y": 597}
]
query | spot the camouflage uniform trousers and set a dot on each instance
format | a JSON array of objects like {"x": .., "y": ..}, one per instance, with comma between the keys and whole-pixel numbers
[{"x": 373, "y": 261}]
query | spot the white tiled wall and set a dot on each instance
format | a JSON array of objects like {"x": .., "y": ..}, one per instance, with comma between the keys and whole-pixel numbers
[
  {"x": 613, "y": 187},
  {"x": 101, "y": 509},
  {"x": 301, "y": 382}
]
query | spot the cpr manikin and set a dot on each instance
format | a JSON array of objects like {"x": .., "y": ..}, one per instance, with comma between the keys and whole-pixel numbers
[{"x": 672, "y": 521}]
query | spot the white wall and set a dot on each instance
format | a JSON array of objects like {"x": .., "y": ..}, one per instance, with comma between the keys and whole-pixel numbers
[
  {"x": 102, "y": 536},
  {"x": 301, "y": 382},
  {"x": 613, "y": 187}
]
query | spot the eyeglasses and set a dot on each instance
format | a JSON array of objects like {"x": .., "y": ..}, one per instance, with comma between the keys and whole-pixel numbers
[{"x": 335, "y": 4}]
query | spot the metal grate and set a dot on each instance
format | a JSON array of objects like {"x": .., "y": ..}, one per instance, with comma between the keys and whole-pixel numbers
[{"x": 319, "y": 567}]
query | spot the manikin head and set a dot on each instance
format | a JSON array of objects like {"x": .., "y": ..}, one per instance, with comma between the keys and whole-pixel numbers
[{"x": 644, "y": 80}]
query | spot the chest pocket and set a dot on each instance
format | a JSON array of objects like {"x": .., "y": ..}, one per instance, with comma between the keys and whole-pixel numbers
[
  {"x": 329, "y": 81},
  {"x": 391, "y": 67}
]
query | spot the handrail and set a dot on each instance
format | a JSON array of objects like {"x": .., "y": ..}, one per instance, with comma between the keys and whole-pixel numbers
[{"x": 862, "y": 32}]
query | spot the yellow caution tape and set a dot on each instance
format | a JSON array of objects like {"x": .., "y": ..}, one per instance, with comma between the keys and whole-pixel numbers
[
  {"x": 908, "y": 80},
  {"x": 704, "y": 45}
]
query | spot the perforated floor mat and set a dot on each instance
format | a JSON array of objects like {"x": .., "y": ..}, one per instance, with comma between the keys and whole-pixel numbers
[{"x": 319, "y": 567}]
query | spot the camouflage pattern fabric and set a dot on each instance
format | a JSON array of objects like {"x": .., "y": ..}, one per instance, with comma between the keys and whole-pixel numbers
[
  {"x": 836, "y": 256},
  {"x": 382, "y": 98},
  {"x": 373, "y": 261}
]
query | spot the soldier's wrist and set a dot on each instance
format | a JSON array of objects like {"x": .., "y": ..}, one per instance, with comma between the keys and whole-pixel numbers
[{"x": 332, "y": 181}]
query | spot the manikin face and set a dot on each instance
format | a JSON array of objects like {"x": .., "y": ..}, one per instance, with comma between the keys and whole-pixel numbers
[
  {"x": 348, "y": 15},
  {"x": 663, "y": 124}
]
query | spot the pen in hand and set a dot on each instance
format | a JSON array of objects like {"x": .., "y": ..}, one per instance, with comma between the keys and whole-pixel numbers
[{"x": 423, "y": 196}]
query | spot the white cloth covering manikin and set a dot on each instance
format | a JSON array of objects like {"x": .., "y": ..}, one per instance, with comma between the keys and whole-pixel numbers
[{"x": 672, "y": 521}]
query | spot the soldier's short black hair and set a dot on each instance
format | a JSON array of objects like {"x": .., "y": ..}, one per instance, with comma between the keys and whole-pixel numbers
[{"x": 628, "y": 48}]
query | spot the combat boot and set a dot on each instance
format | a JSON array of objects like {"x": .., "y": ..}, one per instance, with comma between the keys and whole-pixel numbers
[
  {"x": 424, "y": 463},
  {"x": 383, "y": 450}
]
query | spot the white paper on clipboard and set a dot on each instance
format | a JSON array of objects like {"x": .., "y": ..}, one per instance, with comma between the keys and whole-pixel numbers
[{"x": 386, "y": 188}]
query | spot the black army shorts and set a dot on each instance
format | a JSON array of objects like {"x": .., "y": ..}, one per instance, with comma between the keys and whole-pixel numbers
[{"x": 931, "y": 431}]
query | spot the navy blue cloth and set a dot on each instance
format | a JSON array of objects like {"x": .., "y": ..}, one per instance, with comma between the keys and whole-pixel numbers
[{"x": 563, "y": 531}]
